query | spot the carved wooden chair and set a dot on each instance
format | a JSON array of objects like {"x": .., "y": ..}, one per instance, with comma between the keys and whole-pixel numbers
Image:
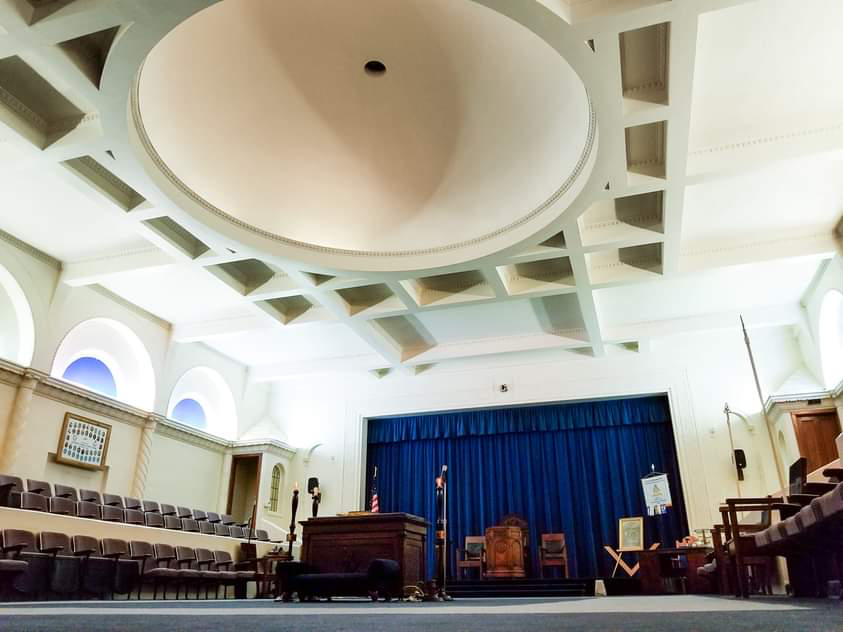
[
  {"x": 553, "y": 552},
  {"x": 472, "y": 556}
]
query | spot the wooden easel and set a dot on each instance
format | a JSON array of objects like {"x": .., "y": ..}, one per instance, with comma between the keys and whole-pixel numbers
[{"x": 619, "y": 561}]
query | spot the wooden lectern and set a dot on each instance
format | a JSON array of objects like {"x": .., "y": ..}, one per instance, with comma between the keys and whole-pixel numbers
[
  {"x": 347, "y": 544},
  {"x": 505, "y": 552}
]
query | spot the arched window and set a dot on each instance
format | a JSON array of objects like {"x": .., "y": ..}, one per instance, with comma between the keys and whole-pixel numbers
[
  {"x": 203, "y": 394},
  {"x": 831, "y": 337},
  {"x": 93, "y": 374},
  {"x": 190, "y": 412},
  {"x": 17, "y": 327},
  {"x": 274, "y": 486},
  {"x": 101, "y": 348}
]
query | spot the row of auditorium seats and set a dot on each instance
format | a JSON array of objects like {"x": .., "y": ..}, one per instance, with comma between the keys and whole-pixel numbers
[
  {"x": 87, "y": 503},
  {"x": 55, "y": 564}
]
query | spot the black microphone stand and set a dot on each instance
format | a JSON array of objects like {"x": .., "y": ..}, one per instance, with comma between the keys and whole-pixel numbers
[{"x": 442, "y": 534}]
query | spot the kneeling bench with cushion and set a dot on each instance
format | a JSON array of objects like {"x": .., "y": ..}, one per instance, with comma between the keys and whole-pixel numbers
[{"x": 381, "y": 580}]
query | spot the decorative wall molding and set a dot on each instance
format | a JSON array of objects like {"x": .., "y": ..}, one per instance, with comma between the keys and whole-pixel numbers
[
  {"x": 30, "y": 250},
  {"x": 71, "y": 395}
]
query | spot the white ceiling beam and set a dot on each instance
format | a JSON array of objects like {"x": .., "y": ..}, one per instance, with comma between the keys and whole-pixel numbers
[
  {"x": 97, "y": 270},
  {"x": 683, "y": 48},
  {"x": 720, "y": 255},
  {"x": 742, "y": 157},
  {"x": 775, "y": 316},
  {"x": 205, "y": 330},
  {"x": 585, "y": 294},
  {"x": 349, "y": 364}
]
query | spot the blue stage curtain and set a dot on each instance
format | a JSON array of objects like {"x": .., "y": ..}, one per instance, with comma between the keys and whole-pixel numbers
[{"x": 572, "y": 468}]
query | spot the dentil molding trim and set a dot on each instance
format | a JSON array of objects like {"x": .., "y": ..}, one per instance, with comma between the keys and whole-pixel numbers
[{"x": 90, "y": 402}]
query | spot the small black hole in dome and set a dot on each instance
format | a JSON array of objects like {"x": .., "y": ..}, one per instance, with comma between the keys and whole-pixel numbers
[{"x": 374, "y": 67}]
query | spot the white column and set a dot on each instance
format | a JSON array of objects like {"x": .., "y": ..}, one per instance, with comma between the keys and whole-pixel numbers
[
  {"x": 17, "y": 423},
  {"x": 225, "y": 475},
  {"x": 144, "y": 457}
]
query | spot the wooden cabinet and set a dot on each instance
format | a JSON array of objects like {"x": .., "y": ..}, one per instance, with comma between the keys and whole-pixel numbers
[
  {"x": 347, "y": 544},
  {"x": 505, "y": 552}
]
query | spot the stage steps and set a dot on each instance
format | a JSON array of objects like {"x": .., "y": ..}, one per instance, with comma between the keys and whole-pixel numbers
[{"x": 530, "y": 587}]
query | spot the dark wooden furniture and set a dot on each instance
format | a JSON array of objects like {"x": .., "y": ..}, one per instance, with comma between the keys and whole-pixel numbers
[
  {"x": 505, "y": 552},
  {"x": 348, "y": 544},
  {"x": 553, "y": 552},
  {"x": 657, "y": 565},
  {"x": 740, "y": 547},
  {"x": 472, "y": 556}
]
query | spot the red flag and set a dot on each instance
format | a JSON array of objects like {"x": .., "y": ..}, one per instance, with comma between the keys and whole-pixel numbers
[{"x": 375, "y": 506}]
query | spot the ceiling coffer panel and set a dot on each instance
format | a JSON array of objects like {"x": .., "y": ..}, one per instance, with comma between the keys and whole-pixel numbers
[
  {"x": 104, "y": 182},
  {"x": 536, "y": 276},
  {"x": 32, "y": 107},
  {"x": 455, "y": 287},
  {"x": 644, "y": 66},
  {"x": 632, "y": 218}
]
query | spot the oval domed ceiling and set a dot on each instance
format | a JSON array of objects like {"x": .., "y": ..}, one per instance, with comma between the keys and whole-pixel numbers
[{"x": 375, "y": 129}]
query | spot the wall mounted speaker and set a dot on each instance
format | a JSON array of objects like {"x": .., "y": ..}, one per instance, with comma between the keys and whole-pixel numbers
[{"x": 740, "y": 463}]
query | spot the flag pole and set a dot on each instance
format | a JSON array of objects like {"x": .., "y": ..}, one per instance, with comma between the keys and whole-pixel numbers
[{"x": 776, "y": 457}]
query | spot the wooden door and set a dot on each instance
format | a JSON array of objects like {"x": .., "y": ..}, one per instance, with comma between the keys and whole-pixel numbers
[
  {"x": 816, "y": 432},
  {"x": 243, "y": 485}
]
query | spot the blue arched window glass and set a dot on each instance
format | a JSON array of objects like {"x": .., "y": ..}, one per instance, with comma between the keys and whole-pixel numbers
[
  {"x": 190, "y": 412},
  {"x": 92, "y": 374}
]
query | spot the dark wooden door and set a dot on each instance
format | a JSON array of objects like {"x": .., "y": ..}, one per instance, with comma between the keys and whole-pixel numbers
[{"x": 815, "y": 434}]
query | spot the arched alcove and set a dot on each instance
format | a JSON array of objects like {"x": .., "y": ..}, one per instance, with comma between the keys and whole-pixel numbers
[
  {"x": 202, "y": 398},
  {"x": 831, "y": 337},
  {"x": 101, "y": 347},
  {"x": 17, "y": 326}
]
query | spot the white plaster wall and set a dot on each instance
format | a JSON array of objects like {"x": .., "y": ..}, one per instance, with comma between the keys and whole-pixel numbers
[
  {"x": 38, "y": 281},
  {"x": 700, "y": 372},
  {"x": 182, "y": 474},
  {"x": 830, "y": 279},
  {"x": 8, "y": 328}
]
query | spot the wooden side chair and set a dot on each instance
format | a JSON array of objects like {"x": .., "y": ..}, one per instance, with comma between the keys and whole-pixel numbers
[
  {"x": 740, "y": 543},
  {"x": 472, "y": 556},
  {"x": 553, "y": 552}
]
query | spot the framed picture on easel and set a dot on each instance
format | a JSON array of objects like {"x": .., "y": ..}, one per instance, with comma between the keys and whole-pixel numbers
[
  {"x": 631, "y": 534},
  {"x": 83, "y": 442}
]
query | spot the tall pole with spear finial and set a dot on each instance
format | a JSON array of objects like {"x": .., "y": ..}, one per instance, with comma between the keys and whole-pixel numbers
[{"x": 776, "y": 457}]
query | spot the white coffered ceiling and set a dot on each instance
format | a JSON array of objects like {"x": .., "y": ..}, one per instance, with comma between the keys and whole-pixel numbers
[{"x": 299, "y": 215}]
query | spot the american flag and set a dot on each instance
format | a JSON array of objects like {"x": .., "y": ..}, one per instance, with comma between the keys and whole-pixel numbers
[{"x": 375, "y": 507}]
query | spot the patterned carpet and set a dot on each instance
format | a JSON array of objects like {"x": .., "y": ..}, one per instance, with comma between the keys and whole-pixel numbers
[{"x": 653, "y": 614}]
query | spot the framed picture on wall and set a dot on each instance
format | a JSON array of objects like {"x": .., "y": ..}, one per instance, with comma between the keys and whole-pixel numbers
[
  {"x": 83, "y": 442},
  {"x": 631, "y": 534}
]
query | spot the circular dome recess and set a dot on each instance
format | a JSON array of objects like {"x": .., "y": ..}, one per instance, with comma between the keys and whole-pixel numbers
[{"x": 261, "y": 119}]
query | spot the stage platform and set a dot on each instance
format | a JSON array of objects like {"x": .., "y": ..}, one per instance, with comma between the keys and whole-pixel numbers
[{"x": 529, "y": 587}]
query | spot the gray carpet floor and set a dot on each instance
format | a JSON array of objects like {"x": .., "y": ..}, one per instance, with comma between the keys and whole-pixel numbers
[{"x": 650, "y": 614}]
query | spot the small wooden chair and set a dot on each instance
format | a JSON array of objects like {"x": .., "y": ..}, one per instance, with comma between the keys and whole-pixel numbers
[
  {"x": 740, "y": 544},
  {"x": 553, "y": 552},
  {"x": 472, "y": 556}
]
